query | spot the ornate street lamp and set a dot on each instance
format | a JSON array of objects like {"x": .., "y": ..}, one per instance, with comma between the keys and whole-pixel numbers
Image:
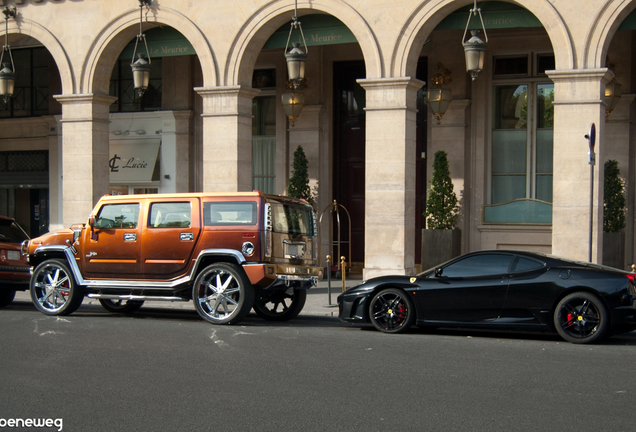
[
  {"x": 296, "y": 57},
  {"x": 293, "y": 100},
  {"x": 475, "y": 48},
  {"x": 439, "y": 97},
  {"x": 141, "y": 67},
  {"x": 7, "y": 73}
]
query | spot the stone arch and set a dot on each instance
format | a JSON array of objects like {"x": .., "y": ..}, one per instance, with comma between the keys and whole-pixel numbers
[
  {"x": 31, "y": 28},
  {"x": 423, "y": 20},
  {"x": 97, "y": 67},
  {"x": 604, "y": 28},
  {"x": 268, "y": 19}
]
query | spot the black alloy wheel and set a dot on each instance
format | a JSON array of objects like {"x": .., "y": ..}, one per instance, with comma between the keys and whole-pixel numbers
[
  {"x": 121, "y": 306},
  {"x": 280, "y": 305},
  {"x": 392, "y": 311},
  {"x": 223, "y": 294},
  {"x": 53, "y": 289},
  {"x": 581, "y": 318},
  {"x": 6, "y": 296}
]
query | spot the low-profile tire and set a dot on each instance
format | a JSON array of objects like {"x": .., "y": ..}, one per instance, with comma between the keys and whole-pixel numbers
[
  {"x": 391, "y": 311},
  {"x": 581, "y": 318},
  {"x": 6, "y": 296},
  {"x": 53, "y": 289},
  {"x": 121, "y": 306},
  {"x": 280, "y": 305},
  {"x": 222, "y": 294}
]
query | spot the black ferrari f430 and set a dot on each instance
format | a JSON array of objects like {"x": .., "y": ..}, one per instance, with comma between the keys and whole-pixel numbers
[{"x": 512, "y": 290}]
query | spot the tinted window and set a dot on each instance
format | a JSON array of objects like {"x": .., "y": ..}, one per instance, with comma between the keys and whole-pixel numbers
[
  {"x": 526, "y": 264},
  {"x": 170, "y": 215},
  {"x": 292, "y": 219},
  {"x": 118, "y": 216},
  {"x": 229, "y": 213},
  {"x": 10, "y": 232},
  {"x": 479, "y": 265}
]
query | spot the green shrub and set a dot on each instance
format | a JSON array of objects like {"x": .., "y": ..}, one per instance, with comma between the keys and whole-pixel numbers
[
  {"x": 441, "y": 205},
  {"x": 614, "y": 199}
]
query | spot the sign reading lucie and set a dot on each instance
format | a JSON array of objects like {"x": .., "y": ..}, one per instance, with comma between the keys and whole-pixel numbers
[{"x": 133, "y": 162}]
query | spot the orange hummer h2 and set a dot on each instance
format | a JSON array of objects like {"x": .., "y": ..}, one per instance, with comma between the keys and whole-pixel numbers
[{"x": 225, "y": 252}]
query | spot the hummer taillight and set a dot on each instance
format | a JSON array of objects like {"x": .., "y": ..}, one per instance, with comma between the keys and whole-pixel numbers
[{"x": 268, "y": 230}]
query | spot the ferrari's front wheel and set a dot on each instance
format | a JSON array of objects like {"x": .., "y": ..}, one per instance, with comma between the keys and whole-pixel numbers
[
  {"x": 392, "y": 311},
  {"x": 581, "y": 318}
]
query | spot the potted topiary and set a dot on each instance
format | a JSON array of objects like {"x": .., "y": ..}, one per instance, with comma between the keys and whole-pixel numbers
[
  {"x": 613, "y": 216},
  {"x": 441, "y": 240},
  {"x": 298, "y": 186}
]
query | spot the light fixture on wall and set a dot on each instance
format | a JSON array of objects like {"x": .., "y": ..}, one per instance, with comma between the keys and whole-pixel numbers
[
  {"x": 475, "y": 48},
  {"x": 7, "y": 73},
  {"x": 293, "y": 103},
  {"x": 613, "y": 92},
  {"x": 439, "y": 97},
  {"x": 141, "y": 66}
]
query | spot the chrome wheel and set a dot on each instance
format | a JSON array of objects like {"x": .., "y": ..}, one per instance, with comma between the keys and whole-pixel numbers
[
  {"x": 121, "y": 306},
  {"x": 581, "y": 318},
  {"x": 222, "y": 294},
  {"x": 53, "y": 289},
  {"x": 391, "y": 311},
  {"x": 280, "y": 305}
]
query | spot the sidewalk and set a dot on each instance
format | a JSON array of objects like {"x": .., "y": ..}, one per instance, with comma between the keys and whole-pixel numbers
[{"x": 317, "y": 298}]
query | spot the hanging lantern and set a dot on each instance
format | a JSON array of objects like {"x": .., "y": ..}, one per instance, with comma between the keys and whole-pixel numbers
[
  {"x": 475, "y": 47},
  {"x": 141, "y": 67},
  {"x": 296, "y": 60},
  {"x": 439, "y": 96},
  {"x": 7, "y": 73},
  {"x": 293, "y": 103}
]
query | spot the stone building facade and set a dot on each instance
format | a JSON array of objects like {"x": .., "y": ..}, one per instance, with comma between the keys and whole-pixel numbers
[{"x": 514, "y": 136}]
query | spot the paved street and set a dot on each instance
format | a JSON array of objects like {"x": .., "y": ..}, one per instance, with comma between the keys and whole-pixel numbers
[{"x": 164, "y": 369}]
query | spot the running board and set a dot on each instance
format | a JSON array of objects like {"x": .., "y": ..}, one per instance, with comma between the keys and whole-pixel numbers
[{"x": 135, "y": 297}]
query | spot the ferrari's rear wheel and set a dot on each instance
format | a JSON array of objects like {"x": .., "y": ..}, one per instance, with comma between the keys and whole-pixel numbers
[
  {"x": 581, "y": 318},
  {"x": 121, "y": 306},
  {"x": 392, "y": 311}
]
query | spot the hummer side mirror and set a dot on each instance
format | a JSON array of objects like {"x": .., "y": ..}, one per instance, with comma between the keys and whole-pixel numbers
[{"x": 91, "y": 224}]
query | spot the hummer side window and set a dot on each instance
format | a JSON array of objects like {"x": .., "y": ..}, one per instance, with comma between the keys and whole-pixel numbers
[
  {"x": 170, "y": 215},
  {"x": 118, "y": 216},
  {"x": 229, "y": 213}
]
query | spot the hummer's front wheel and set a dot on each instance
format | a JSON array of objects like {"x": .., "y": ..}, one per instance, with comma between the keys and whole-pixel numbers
[
  {"x": 222, "y": 294},
  {"x": 53, "y": 289}
]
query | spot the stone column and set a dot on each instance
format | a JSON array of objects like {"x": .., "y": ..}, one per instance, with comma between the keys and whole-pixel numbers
[
  {"x": 227, "y": 138},
  {"x": 84, "y": 153},
  {"x": 578, "y": 103},
  {"x": 390, "y": 175}
]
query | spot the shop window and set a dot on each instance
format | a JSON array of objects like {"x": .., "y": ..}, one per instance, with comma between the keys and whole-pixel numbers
[
  {"x": 122, "y": 86},
  {"x": 522, "y": 148},
  {"x": 264, "y": 144},
  {"x": 31, "y": 92}
]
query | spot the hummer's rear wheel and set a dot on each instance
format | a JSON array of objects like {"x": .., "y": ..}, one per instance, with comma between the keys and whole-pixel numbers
[
  {"x": 280, "y": 305},
  {"x": 222, "y": 294},
  {"x": 53, "y": 289}
]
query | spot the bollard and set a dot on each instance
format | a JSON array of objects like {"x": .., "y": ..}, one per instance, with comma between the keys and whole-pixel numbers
[
  {"x": 329, "y": 282},
  {"x": 343, "y": 272}
]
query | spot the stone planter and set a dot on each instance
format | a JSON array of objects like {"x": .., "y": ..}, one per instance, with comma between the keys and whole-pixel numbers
[
  {"x": 439, "y": 245},
  {"x": 614, "y": 250}
]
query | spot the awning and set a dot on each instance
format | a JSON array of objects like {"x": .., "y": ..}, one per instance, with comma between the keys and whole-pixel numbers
[
  {"x": 497, "y": 15},
  {"x": 162, "y": 42},
  {"x": 133, "y": 161},
  {"x": 318, "y": 30}
]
